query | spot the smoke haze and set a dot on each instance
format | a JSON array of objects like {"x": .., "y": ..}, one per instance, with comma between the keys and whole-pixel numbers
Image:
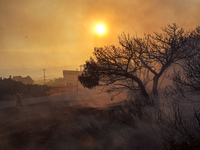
[{"x": 38, "y": 34}]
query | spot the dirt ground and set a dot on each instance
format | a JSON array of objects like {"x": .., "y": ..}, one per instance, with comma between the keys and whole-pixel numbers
[
  {"x": 61, "y": 125},
  {"x": 56, "y": 125},
  {"x": 48, "y": 125}
]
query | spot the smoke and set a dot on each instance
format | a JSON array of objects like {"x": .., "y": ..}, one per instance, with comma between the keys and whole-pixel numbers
[{"x": 59, "y": 33}]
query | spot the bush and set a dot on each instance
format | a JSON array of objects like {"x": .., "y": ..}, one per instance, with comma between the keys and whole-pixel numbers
[{"x": 8, "y": 89}]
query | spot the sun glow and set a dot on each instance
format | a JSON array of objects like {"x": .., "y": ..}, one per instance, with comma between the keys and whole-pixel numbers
[{"x": 100, "y": 29}]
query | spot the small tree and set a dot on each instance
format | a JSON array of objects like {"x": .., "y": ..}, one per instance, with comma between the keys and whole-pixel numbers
[
  {"x": 129, "y": 65},
  {"x": 117, "y": 66}
]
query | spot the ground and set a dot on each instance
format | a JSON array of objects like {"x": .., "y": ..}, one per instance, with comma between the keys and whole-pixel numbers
[
  {"x": 65, "y": 122},
  {"x": 47, "y": 125}
]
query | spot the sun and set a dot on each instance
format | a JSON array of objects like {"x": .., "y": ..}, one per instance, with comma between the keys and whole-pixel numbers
[{"x": 100, "y": 29}]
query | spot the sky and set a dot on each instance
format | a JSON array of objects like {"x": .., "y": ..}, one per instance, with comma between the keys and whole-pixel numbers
[{"x": 60, "y": 34}]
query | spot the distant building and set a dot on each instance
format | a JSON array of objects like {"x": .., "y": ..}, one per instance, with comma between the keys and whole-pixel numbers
[
  {"x": 57, "y": 82},
  {"x": 67, "y": 84},
  {"x": 71, "y": 77},
  {"x": 25, "y": 80}
]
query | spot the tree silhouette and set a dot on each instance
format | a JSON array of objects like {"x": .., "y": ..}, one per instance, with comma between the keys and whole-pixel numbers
[
  {"x": 160, "y": 51},
  {"x": 113, "y": 65},
  {"x": 130, "y": 64},
  {"x": 188, "y": 77}
]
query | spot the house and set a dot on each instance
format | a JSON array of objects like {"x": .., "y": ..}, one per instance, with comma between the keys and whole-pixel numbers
[
  {"x": 67, "y": 84},
  {"x": 71, "y": 77},
  {"x": 25, "y": 80},
  {"x": 57, "y": 82}
]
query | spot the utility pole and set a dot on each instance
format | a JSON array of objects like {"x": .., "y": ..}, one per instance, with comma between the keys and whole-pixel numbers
[
  {"x": 81, "y": 66},
  {"x": 44, "y": 75}
]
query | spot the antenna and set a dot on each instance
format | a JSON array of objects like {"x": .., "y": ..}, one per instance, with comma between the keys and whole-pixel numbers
[{"x": 81, "y": 66}]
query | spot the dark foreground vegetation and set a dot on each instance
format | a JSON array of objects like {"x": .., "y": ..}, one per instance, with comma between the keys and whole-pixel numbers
[
  {"x": 63, "y": 125},
  {"x": 57, "y": 126},
  {"x": 9, "y": 88}
]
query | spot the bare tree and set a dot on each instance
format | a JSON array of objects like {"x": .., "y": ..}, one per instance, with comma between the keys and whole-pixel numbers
[
  {"x": 129, "y": 65},
  {"x": 114, "y": 65},
  {"x": 186, "y": 75},
  {"x": 187, "y": 78},
  {"x": 160, "y": 51}
]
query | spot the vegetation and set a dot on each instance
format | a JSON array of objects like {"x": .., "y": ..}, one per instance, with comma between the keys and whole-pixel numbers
[
  {"x": 136, "y": 63},
  {"x": 140, "y": 60},
  {"x": 188, "y": 76},
  {"x": 9, "y": 88}
]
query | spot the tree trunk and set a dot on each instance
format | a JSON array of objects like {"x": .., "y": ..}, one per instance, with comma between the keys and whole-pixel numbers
[
  {"x": 155, "y": 85},
  {"x": 146, "y": 95},
  {"x": 144, "y": 92},
  {"x": 157, "y": 77},
  {"x": 141, "y": 85}
]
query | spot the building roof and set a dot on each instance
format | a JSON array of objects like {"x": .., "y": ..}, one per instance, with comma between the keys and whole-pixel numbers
[{"x": 25, "y": 80}]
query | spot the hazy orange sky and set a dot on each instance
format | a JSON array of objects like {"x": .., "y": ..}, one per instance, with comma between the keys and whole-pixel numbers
[{"x": 59, "y": 34}]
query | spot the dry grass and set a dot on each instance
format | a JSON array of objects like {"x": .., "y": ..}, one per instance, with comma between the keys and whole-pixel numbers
[
  {"x": 61, "y": 125},
  {"x": 51, "y": 125}
]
